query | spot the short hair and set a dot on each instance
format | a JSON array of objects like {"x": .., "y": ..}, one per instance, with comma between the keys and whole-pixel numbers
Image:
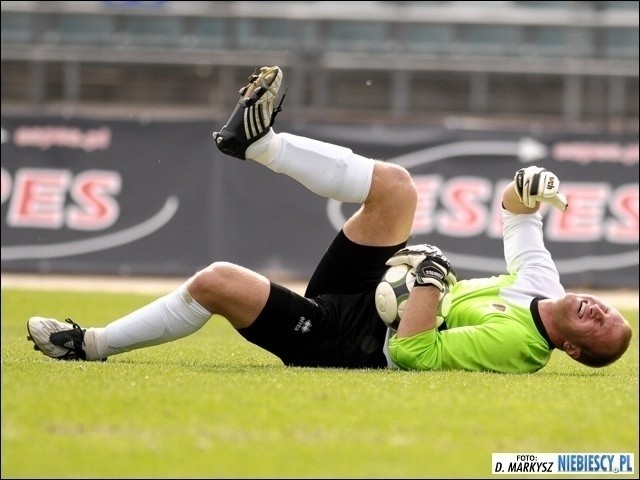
[{"x": 596, "y": 360}]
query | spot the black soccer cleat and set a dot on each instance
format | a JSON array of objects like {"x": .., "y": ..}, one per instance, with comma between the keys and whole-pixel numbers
[
  {"x": 56, "y": 339},
  {"x": 254, "y": 114}
]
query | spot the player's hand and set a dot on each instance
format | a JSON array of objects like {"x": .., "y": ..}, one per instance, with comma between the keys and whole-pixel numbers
[
  {"x": 413, "y": 255},
  {"x": 432, "y": 266},
  {"x": 534, "y": 184},
  {"x": 436, "y": 271}
]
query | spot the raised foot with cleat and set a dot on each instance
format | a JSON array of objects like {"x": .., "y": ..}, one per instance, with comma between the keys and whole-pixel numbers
[{"x": 254, "y": 114}]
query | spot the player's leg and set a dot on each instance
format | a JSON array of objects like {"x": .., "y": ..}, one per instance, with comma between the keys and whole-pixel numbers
[
  {"x": 298, "y": 330},
  {"x": 386, "y": 216},
  {"x": 356, "y": 258},
  {"x": 222, "y": 288},
  {"x": 328, "y": 170},
  {"x": 385, "y": 190}
]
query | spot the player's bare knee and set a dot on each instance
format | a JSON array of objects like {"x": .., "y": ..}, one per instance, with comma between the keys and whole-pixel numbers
[
  {"x": 396, "y": 184},
  {"x": 211, "y": 283}
]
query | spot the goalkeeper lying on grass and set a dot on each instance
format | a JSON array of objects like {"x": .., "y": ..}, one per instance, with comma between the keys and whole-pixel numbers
[{"x": 508, "y": 323}]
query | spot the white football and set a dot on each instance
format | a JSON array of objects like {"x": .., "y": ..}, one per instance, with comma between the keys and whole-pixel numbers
[{"x": 393, "y": 291}]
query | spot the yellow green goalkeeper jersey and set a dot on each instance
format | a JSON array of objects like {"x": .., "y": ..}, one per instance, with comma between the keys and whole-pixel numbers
[{"x": 493, "y": 324}]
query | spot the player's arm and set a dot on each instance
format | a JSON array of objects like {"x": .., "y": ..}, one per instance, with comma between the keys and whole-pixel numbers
[
  {"x": 512, "y": 203},
  {"x": 433, "y": 274},
  {"x": 523, "y": 235},
  {"x": 420, "y": 311}
]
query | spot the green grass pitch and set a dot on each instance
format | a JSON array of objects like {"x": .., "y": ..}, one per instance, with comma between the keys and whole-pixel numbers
[{"x": 214, "y": 406}]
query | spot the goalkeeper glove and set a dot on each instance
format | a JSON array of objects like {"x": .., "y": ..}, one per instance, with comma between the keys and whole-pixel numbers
[
  {"x": 436, "y": 271},
  {"x": 432, "y": 267},
  {"x": 534, "y": 184},
  {"x": 413, "y": 255}
]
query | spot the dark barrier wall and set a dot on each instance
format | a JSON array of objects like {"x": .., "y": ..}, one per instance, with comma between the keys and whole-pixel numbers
[{"x": 132, "y": 198}]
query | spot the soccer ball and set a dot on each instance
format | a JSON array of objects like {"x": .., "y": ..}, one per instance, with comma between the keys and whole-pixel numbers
[{"x": 393, "y": 291}]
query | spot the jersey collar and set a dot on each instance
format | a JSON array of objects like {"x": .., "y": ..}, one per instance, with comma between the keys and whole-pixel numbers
[{"x": 537, "y": 320}]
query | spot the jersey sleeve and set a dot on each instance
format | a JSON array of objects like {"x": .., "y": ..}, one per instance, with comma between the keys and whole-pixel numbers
[
  {"x": 500, "y": 345},
  {"x": 528, "y": 258},
  {"x": 524, "y": 245}
]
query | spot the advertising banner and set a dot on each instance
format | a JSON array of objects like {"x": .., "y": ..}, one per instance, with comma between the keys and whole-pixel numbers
[{"x": 119, "y": 197}]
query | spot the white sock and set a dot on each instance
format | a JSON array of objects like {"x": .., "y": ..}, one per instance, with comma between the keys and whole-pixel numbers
[
  {"x": 168, "y": 318},
  {"x": 328, "y": 170}
]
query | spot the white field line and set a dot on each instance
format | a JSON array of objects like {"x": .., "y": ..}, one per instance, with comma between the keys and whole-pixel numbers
[{"x": 96, "y": 283}]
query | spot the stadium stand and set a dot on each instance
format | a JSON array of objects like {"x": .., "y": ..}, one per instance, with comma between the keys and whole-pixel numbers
[{"x": 451, "y": 55}]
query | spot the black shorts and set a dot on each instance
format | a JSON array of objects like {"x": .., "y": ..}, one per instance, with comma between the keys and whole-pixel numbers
[{"x": 335, "y": 324}]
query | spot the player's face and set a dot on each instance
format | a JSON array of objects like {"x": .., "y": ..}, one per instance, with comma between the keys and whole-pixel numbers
[{"x": 590, "y": 323}]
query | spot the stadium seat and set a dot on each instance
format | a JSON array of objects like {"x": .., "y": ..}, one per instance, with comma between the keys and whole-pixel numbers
[
  {"x": 424, "y": 38},
  {"x": 208, "y": 32},
  {"x": 264, "y": 34},
  {"x": 621, "y": 42},
  {"x": 82, "y": 29},
  {"x": 152, "y": 31},
  {"x": 561, "y": 41},
  {"x": 16, "y": 27},
  {"x": 356, "y": 36},
  {"x": 491, "y": 39}
]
